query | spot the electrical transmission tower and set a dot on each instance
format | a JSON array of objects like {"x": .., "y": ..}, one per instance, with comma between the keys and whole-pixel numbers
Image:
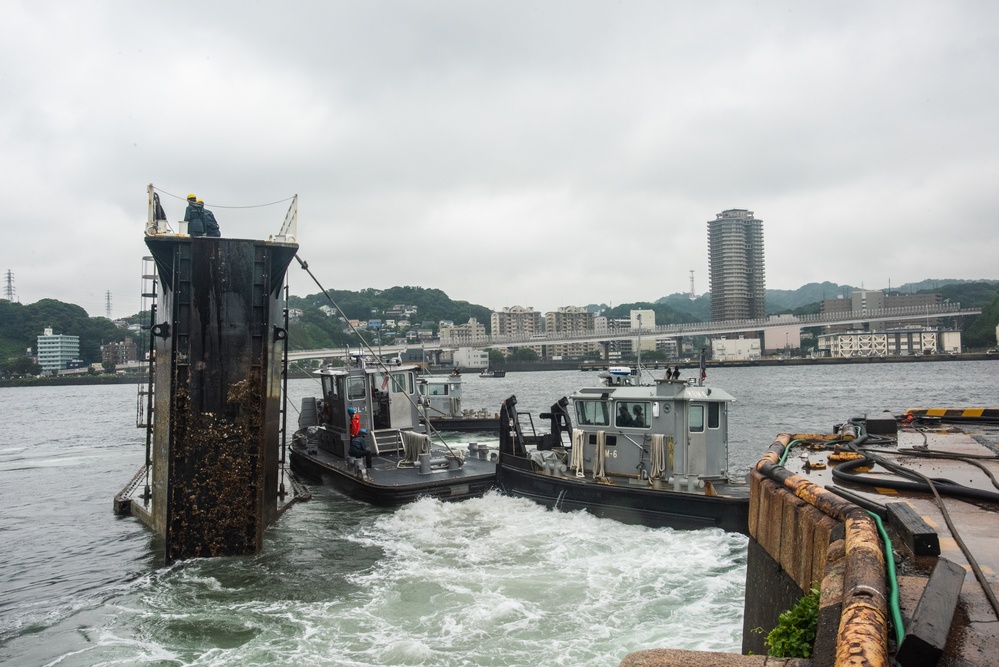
[
  {"x": 8, "y": 286},
  {"x": 107, "y": 303},
  {"x": 692, "y": 295}
]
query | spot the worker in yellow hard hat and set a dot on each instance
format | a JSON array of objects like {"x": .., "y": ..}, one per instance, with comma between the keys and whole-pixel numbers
[{"x": 194, "y": 216}]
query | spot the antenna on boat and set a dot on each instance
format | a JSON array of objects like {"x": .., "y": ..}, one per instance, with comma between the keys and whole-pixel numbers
[{"x": 639, "y": 362}]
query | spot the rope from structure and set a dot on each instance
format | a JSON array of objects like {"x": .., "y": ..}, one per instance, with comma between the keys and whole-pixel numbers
[
  {"x": 280, "y": 201},
  {"x": 413, "y": 444},
  {"x": 598, "y": 464},
  {"x": 576, "y": 462},
  {"x": 381, "y": 364},
  {"x": 657, "y": 462}
]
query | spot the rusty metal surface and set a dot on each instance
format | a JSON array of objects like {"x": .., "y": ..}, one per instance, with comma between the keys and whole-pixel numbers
[
  {"x": 973, "y": 637},
  {"x": 863, "y": 631},
  {"x": 216, "y": 455}
]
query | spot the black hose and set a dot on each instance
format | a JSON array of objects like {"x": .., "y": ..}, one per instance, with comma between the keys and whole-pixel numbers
[{"x": 842, "y": 473}]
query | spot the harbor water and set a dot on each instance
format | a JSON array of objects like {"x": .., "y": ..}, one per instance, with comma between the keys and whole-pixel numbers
[{"x": 491, "y": 581}]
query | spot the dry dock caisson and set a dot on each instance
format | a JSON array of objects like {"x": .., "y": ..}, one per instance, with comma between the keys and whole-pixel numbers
[{"x": 894, "y": 520}]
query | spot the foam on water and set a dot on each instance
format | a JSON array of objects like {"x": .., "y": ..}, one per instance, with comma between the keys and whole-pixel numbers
[{"x": 493, "y": 581}]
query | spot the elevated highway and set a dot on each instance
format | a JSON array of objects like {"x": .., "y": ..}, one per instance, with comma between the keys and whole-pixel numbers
[{"x": 907, "y": 314}]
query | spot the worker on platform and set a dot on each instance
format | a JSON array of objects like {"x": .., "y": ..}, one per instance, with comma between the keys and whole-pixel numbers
[
  {"x": 355, "y": 422},
  {"x": 359, "y": 448},
  {"x": 194, "y": 216},
  {"x": 211, "y": 224}
]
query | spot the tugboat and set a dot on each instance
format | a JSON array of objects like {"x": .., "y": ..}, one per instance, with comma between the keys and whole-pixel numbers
[
  {"x": 442, "y": 406},
  {"x": 652, "y": 454},
  {"x": 406, "y": 464}
]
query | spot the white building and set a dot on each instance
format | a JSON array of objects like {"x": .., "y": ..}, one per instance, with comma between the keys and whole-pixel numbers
[
  {"x": 783, "y": 338},
  {"x": 466, "y": 357},
  {"x": 646, "y": 320},
  {"x": 667, "y": 346},
  {"x": 898, "y": 342},
  {"x": 469, "y": 332},
  {"x": 55, "y": 351},
  {"x": 735, "y": 349}
]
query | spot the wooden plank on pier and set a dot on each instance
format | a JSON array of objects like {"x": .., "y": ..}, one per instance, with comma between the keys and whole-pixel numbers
[
  {"x": 917, "y": 535},
  {"x": 926, "y": 635}
]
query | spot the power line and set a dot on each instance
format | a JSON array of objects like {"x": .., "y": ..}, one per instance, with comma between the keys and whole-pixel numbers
[{"x": 280, "y": 201}]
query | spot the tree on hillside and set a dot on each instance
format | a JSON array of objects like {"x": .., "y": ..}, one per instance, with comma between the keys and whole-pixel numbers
[
  {"x": 20, "y": 326},
  {"x": 19, "y": 367},
  {"x": 432, "y": 305},
  {"x": 980, "y": 331},
  {"x": 523, "y": 355}
]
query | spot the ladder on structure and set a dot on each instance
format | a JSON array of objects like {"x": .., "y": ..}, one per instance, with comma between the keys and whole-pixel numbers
[{"x": 144, "y": 399}]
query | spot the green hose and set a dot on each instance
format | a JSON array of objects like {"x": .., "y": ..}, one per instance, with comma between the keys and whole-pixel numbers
[
  {"x": 896, "y": 612},
  {"x": 783, "y": 457}
]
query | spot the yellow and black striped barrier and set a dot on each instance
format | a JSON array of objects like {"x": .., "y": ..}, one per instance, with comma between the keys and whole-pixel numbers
[{"x": 957, "y": 414}]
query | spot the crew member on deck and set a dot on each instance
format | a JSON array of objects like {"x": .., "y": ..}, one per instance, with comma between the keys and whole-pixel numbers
[
  {"x": 211, "y": 224},
  {"x": 194, "y": 217},
  {"x": 359, "y": 448},
  {"x": 355, "y": 422},
  {"x": 676, "y": 372}
]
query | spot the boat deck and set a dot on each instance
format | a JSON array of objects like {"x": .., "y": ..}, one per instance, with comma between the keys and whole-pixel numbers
[
  {"x": 975, "y": 629},
  {"x": 389, "y": 483}
]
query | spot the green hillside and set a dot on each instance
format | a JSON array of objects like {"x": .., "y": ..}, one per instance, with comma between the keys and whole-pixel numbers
[{"x": 20, "y": 326}]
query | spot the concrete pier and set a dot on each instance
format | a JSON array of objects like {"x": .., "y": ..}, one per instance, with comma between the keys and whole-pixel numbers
[
  {"x": 810, "y": 527},
  {"x": 219, "y": 338}
]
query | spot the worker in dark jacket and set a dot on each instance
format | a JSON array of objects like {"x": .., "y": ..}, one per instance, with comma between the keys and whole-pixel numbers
[
  {"x": 194, "y": 217},
  {"x": 359, "y": 448},
  {"x": 211, "y": 225}
]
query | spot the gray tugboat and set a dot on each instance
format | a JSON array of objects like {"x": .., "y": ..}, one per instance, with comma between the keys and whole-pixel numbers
[
  {"x": 442, "y": 406},
  {"x": 653, "y": 454},
  {"x": 406, "y": 464}
]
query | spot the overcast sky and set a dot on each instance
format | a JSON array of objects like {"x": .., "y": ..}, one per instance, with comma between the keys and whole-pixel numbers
[{"x": 509, "y": 153}]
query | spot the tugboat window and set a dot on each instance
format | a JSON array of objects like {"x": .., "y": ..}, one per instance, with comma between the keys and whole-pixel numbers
[
  {"x": 356, "y": 388},
  {"x": 399, "y": 383},
  {"x": 633, "y": 414},
  {"x": 592, "y": 413},
  {"x": 714, "y": 415},
  {"x": 696, "y": 418}
]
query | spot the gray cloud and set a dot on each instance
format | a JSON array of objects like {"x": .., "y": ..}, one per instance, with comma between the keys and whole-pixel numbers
[{"x": 541, "y": 154}]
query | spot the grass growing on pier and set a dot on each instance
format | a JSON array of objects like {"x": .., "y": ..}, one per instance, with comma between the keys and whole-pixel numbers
[{"x": 794, "y": 635}]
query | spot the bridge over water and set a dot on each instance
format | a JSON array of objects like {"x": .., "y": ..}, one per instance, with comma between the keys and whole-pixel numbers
[{"x": 677, "y": 331}]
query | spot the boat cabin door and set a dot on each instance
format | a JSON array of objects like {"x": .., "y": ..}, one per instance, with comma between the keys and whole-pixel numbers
[
  {"x": 697, "y": 443},
  {"x": 334, "y": 409},
  {"x": 352, "y": 388},
  {"x": 707, "y": 435},
  {"x": 394, "y": 400}
]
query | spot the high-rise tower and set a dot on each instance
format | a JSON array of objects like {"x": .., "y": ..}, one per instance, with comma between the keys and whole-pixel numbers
[{"x": 736, "y": 266}]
